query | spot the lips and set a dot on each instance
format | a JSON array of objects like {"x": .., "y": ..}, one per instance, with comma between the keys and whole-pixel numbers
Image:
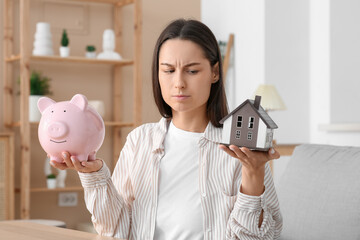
[
  {"x": 181, "y": 97},
  {"x": 57, "y": 142}
]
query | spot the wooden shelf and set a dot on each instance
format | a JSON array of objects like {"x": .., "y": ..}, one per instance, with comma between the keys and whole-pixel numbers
[
  {"x": 65, "y": 189},
  {"x": 107, "y": 124},
  {"x": 123, "y": 62},
  {"x": 115, "y": 2},
  {"x": 22, "y": 61}
]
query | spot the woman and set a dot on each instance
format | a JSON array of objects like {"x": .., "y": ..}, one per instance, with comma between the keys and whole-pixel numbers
[{"x": 173, "y": 179}]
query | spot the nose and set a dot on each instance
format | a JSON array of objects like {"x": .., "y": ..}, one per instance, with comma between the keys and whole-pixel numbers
[
  {"x": 179, "y": 81},
  {"x": 57, "y": 130}
]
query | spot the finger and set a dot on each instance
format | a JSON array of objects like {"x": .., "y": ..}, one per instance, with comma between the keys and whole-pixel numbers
[
  {"x": 67, "y": 160},
  {"x": 239, "y": 153},
  {"x": 273, "y": 154},
  {"x": 55, "y": 164},
  {"x": 227, "y": 150},
  {"x": 76, "y": 163},
  {"x": 247, "y": 152}
]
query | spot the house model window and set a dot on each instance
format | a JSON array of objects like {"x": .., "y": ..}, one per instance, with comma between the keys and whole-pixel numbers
[
  {"x": 259, "y": 125},
  {"x": 251, "y": 122},
  {"x": 249, "y": 137},
  {"x": 237, "y": 134},
  {"x": 239, "y": 121}
]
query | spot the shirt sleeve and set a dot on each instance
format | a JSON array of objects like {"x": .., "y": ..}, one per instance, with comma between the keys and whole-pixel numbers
[
  {"x": 244, "y": 218},
  {"x": 107, "y": 198}
]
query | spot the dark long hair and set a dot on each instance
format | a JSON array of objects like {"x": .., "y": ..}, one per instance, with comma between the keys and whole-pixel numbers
[{"x": 200, "y": 34}]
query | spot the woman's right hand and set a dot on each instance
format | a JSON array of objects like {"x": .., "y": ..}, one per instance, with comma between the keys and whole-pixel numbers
[{"x": 71, "y": 162}]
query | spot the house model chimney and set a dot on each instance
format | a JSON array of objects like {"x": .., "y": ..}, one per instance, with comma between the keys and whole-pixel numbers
[{"x": 257, "y": 102}]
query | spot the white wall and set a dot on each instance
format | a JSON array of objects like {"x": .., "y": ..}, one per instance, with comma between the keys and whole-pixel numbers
[
  {"x": 271, "y": 46},
  {"x": 246, "y": 20},
  {"x": 310, "y": 50}
]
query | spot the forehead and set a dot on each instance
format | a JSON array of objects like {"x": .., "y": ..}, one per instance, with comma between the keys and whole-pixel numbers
[{"x": 181, "y": 50}]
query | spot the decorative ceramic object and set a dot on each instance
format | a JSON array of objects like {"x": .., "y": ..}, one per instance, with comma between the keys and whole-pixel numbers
[
  {"x": 60, "y": 179},
  {"x": 43, "y": 40},
  {"x": 109, "y": 46},
  {"x": 70, "y": 126},
  {"x": 34, "y": 113},
  {"x": 99, "y": 106}
]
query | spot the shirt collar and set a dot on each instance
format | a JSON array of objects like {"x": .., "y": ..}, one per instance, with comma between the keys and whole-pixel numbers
[{"x": 211, "y": 133}]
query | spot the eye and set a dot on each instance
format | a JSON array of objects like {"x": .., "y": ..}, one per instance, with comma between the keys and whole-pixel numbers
[
  {"x": 64, "y": 110},
  {"x": 193, "y": 71},
  {"x": 52, "y": 111},
  {"x": 169, "y": 71}
]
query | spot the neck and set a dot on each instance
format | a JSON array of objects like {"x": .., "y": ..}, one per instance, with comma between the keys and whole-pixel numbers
[{"x": 190, "y": 122}]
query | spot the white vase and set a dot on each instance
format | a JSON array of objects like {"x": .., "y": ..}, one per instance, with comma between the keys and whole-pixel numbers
[
  {"x": 34, "y": 113},
  {"x": 43, "y": 40},
  {"x": 51, "y": 183},
  {"x": 99, "y": 106},
  {"x": 64, "y": 51},
  {"x": 60, "y": 178}
]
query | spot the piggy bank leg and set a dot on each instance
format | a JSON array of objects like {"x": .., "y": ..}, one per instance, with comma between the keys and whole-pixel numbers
[{"x": 92, "y": 156}]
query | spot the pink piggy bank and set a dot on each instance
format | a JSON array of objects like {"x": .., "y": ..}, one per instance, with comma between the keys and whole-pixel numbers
[{"x": 71, "y": 126}]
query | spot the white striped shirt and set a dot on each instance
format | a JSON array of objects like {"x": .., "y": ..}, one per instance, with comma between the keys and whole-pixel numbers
[{"x": 125, "y": 204}]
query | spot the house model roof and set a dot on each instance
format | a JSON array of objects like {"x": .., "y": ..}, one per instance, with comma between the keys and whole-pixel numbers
[{"x": 260, "y": 111}]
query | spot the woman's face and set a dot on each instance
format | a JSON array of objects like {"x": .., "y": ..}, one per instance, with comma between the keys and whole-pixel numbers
[{"x": 185, "y": 76}]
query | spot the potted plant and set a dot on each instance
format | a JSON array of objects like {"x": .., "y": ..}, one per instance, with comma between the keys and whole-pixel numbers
[
  {"x": 64, "y": 49},
  {"x": 39, "y": 86},
  {"x": 51, "y": 181},
  {"x": 90, "y": 51}
]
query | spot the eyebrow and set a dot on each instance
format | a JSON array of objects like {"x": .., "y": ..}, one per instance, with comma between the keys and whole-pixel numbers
[{"x": 187, "y": 65}]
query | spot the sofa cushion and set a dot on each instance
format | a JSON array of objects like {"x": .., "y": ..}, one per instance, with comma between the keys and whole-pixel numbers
[{"x": 319, "y": 193}]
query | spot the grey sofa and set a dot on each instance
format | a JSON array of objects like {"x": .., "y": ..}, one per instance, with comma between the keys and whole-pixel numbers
[{"x": 319, "y": 193}]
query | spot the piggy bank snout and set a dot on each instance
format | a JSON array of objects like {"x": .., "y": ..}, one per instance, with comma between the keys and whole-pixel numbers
[{"x": 57, "y": 130}]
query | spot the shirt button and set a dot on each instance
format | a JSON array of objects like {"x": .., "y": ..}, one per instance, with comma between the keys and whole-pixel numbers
[{"x": 203, "y": 194}]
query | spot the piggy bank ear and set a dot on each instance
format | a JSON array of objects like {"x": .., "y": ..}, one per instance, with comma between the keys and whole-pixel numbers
[
  {"x": 80, "y": 101},
  {"x": 44, "y": 103}
]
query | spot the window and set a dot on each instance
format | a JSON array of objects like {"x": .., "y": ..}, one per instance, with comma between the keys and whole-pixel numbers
[
  {"x": 237, "y": 134},
  {"x": 249, "y": 136},
  {"x": 239, "y": 121},
  {"x": 251, "y": 122}
]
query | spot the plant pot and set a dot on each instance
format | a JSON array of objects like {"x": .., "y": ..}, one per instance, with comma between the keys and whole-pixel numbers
[
  {"x": 64, "y": 51},
  {"x": 90, "y": 54},
  {"x": 34, "y": 113},
  {"x": 51, "y": 183}
]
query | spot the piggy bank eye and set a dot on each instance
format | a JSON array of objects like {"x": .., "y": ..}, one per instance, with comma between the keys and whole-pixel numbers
[
  {"x": 64, "y": 110},
  {"x": 52, "y": 111}
]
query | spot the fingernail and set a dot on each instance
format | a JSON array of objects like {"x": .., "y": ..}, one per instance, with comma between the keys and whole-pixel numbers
[
  {"x": 272, "y": 151},
  {"x": 64, "y": 155},
  {"x": 72, "y": 158}
]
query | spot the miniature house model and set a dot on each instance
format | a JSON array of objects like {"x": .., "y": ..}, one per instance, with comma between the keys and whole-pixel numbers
[{"x": 249, "y": 126}]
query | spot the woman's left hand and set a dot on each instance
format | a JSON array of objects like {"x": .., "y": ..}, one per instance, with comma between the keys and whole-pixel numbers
[
  {"x": 253, "y": 167},
  {"x": 251, "y": 160}
]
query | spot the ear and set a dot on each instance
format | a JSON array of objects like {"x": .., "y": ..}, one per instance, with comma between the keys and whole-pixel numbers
[
  {"x": 215, "y": 73},
  {"x": 80, "y": 101},
  {"x": 43, "y": 103}
]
